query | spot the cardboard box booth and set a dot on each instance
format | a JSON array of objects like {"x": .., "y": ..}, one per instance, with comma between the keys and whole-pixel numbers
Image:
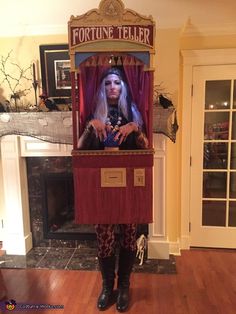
[{"x": 112, "y": 186}]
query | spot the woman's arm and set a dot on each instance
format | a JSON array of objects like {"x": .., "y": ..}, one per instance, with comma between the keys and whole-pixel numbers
[
  {"x": 127, "y": 129},
  {"x": 93, "y": 134},
  {"x": 135, "y": 126},
  {"x": 99, "y": 128}
]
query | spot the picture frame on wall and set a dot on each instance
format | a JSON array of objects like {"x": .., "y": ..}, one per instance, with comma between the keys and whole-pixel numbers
[{"x": 55, "y": 71}]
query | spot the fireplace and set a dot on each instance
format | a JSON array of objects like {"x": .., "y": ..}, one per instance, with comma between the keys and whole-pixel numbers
[
  {"x": 21, "y": 232},
  {"x": 51, "y": 202}
]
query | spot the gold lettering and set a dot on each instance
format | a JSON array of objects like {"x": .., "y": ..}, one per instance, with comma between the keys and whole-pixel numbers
[
  {"x": 125, "y": 32},
  {"x": 81, "y": 35},
  {"x": 99, "y": 33},
  {"x": 86, "y": 34},
  {"x": 74, "y": 35},
  {"x": 146, "y": 36},
  {"x": 110, "y": 32},
  {"x": 140, "y": 39},
  {"x": 119, "y": 31},
  {"x": 104, "y": 32},
  {"x": 93, "y": 32},
  {"x": 130, "y": 33},
  {"x": 135, "y": 34}
]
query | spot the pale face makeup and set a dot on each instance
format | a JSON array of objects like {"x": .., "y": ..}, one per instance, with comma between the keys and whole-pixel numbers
[{"x": 113, "y": 88}]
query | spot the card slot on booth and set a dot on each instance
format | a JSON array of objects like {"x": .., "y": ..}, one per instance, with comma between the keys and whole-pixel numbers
[
  {"x": 113, "y": 177},
  {"x": 139, "y": 177}
]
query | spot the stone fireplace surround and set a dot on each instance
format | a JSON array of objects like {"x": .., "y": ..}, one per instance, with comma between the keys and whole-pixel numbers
[
  {"x": 51, "y": 194},
  {"x": 17, "y": 233}
]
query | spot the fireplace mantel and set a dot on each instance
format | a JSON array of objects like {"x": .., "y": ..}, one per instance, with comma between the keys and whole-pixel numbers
[
  {"x": 53, "y": 127},
  {"x": 16, "y": 232}
]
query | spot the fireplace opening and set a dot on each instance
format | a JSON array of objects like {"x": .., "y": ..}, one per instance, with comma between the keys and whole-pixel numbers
[
  {"x": 51, "y": 201},
  {"x": 58, "y": 201},
  {"x": 58, "y": 214}
]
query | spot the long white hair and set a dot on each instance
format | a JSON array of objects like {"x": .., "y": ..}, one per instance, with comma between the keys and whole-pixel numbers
[{"x": 101, "y": 110}]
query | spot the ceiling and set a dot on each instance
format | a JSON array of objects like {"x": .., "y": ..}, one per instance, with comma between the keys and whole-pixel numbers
[{"x": 31, "y": 17}]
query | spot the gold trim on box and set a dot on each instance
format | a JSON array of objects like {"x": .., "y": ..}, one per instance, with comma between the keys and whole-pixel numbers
[
  {"x": 77, "y": 152},
  {"x": 113, "y": 177},
  {"x": 139, "y": 177}
]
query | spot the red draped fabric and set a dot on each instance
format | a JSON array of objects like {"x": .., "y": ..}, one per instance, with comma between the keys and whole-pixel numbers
[
  {"x": 139, "y": 85},
  {"x": 90, "y": 79},
  {"x": 117, "y": 205}
]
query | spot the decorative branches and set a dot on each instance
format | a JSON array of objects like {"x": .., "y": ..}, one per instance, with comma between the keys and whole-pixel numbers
[{"x": 16, "y": 78}]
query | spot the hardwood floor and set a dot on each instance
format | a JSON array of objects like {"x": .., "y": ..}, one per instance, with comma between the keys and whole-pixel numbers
[{"x": 205, "y": 283}]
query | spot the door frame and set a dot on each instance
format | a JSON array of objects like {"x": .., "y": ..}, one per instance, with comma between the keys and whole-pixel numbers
[{"x": 190, "y": 59}]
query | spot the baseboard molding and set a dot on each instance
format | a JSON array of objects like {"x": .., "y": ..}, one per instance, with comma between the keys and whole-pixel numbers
[
  {"x": 162, "y": 249},
  {"x": 185, "y": 242},
  {"x": 16, "y": 244},
  {"x": 175, "y": 248},
  {"x": 158, "y": 249}
]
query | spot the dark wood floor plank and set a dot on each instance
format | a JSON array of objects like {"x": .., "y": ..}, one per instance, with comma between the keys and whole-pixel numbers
[{"x": 205, "y": 283}]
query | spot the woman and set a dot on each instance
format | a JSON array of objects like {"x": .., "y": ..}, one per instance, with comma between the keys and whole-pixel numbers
[
  {"x": 115, "y": 116},
  {"x": 116, "y": 124}
]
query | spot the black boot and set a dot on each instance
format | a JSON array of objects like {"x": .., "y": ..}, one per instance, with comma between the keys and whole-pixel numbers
[
  {"x": 107, "y": 268},
  {"x": 126, "y": 262}
]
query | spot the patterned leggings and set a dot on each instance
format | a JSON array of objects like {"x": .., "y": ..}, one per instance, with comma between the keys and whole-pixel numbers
[{"x": 106, "y": 238}]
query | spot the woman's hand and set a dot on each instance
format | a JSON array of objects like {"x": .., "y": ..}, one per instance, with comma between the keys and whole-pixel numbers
[
  {"x": 142, "y": 141},
  {"x": 124, "y": 131},
  {"x": 100, "y": 129}
]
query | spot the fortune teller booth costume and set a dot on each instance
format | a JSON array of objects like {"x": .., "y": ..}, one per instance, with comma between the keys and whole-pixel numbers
[
  {"x": 120, "y": 113},
  {"x": 112, "y": 152}
]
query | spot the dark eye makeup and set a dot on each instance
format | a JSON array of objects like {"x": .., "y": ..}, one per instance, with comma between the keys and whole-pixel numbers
[{"x": 108, "y": 82}]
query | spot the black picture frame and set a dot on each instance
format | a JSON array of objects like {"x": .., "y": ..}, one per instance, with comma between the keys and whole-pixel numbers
[{"x": 55, "y": 72}]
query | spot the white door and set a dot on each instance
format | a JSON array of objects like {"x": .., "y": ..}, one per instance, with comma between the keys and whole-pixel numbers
[{"x": 213, "y": 157}]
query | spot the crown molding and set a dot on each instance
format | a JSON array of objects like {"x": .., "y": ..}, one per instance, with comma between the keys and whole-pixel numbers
[
  {"x": 191, "y": 30},
  {"x": 208, "y": 56}
]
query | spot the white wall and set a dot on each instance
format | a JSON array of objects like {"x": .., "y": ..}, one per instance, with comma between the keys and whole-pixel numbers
[{"x": 31, "y": 17}]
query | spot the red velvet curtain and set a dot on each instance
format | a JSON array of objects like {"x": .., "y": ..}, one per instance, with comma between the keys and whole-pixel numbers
[
  {"x": 91, "y": 71},
  {"x": 139, "y": 85}
]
